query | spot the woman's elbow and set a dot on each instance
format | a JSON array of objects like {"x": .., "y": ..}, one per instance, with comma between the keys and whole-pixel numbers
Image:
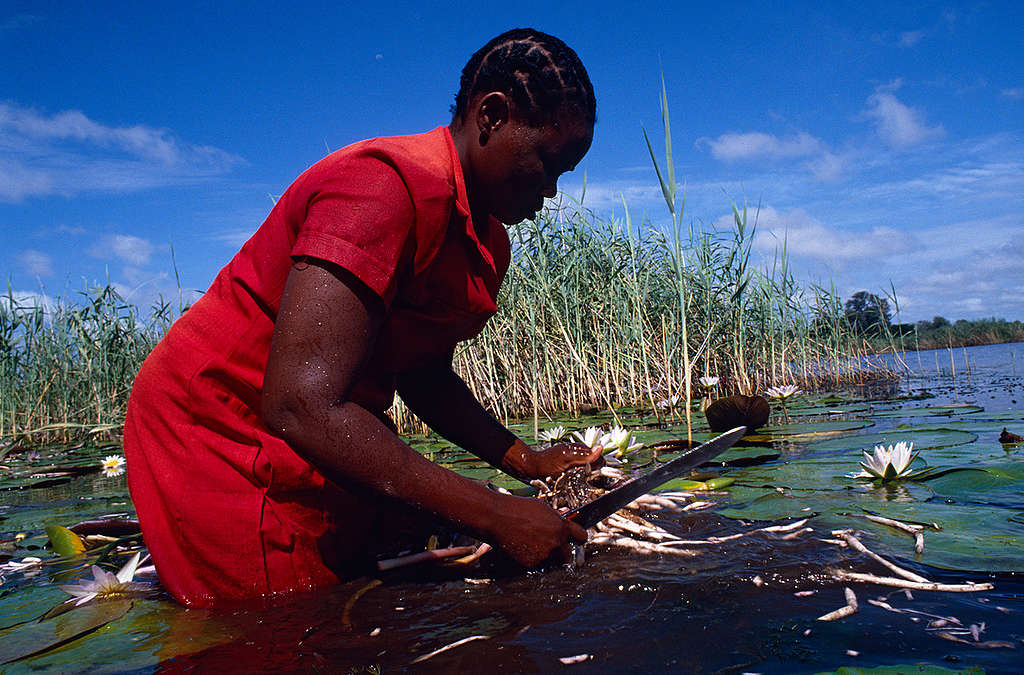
[{"x": 290, "y": 413}]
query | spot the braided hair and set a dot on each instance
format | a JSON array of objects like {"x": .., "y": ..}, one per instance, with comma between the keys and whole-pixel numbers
[{"x": 539, "y": 72}]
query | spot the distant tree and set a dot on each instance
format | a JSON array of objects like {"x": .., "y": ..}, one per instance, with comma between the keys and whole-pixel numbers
[
  {"x": 868, "y": 312},
  {"x": 939, "y": 322}
]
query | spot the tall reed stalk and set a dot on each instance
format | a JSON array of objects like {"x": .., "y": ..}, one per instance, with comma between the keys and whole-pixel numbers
[{"x": 66, "y": 369}]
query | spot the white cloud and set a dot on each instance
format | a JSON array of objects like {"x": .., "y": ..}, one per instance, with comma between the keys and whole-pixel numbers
[
  {"x": 26, "y": 300},
  {"x": 67, "y": 152},
  {"x": 808, "y": 238},
  {"x": 753, "y": 145},
  {"x": 1014, "y": 93},
  {"x": 36, "y": 263},
  {"x": 125, "y": 247},
  {"x": 910, "y": 38},
  {"x": 828, "y": 167},
  {"x": 899, "y": 125}
]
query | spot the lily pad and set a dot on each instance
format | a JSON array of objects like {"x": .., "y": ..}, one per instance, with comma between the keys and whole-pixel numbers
[
  {"x": 806, "y": 431},
  {"x": 930, "y": 411},
  {"x": 923, "y": 439},
  {"x": 33, "y": 638}
]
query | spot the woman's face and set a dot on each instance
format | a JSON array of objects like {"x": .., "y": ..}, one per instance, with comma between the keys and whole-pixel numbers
[{"x": 519, "y": 165}]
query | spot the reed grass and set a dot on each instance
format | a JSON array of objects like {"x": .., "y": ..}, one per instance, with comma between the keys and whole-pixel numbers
[
  {"x": 66, "y": 368},
  {"x": 598, "y": 314}
]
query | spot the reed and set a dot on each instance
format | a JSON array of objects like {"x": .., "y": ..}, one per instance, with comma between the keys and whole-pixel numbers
[
  {"x": 66, "y": 368},
  {"x": 597, "y": 314}
]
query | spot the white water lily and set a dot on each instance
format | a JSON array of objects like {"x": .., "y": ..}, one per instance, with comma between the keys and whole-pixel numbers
[
  {"x": 670, "y": 402},
  {"x": 620, "y": 440},
  {"x": 709, "y": 381},
  {"x": 113, "y": 465},
  {"x": 783, "y": 391},
  {"x": 551, "y": 435},
  {"x": 105, "y": 585},
  {"x": 888, "y": 463},
  {"x": 590, "y": 437}
]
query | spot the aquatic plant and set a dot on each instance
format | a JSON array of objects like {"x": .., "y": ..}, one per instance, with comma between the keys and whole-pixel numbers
[
  {"x": 106, "y": 585},
  {"x": 670, "y": 402},
  {"x": 590, "y": 438},
  {"x": 67, "y": 367},
  {"x": 888, "y": 463},
  {"x": 782, "y": 392},
  {"x": 553, "y": 434},
  {"x": 709, "y": 381},
  {"x": 113, "y": 465},
  {"x": 619, "y": 441}
]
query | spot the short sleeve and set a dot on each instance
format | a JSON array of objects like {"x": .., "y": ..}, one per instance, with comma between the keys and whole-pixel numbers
[{"x": 360, "y": 217}]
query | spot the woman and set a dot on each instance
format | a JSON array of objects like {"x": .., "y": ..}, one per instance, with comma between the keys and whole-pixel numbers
[{"x": 260, "y": 457}]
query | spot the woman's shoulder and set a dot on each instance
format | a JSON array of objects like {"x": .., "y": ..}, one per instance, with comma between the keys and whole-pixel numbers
[{"x": 419, "y": 159}]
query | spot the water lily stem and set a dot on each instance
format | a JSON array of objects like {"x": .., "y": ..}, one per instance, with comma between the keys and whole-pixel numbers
[
  {"x": 968, "y": 587},
  {"x": 856, "y": 544}
]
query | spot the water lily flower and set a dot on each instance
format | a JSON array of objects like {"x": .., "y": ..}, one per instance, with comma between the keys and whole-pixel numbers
[
  {"x": 708, "y": 381},
  {"x": 590, "y": 437},
  {"x": 888, "y": 463},
  {"x": 551, "y": 435},
  {"x": 105, "y": 585},
  {"x": 620, "y": 440},
  {"x": 113, "y": 465},
  {"x": 783, "y": 391},
  {"x": 670, "y": 402}
]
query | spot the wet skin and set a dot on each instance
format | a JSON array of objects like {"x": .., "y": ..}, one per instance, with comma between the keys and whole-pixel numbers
[{"x": 328, "y": 322}]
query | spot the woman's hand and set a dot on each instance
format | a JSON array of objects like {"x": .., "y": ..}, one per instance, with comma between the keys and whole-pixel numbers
[
  {"x": 521, "y": 460},
  {"x": 532, "y": 533}
]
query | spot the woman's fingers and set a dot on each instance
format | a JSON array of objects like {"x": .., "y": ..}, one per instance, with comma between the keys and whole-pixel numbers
[{"x": 576, "y": 532}]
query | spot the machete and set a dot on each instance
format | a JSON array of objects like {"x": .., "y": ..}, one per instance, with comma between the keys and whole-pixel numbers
[{"x": 598, "y": 509}]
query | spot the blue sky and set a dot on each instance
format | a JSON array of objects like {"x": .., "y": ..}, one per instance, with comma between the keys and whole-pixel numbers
[{"x": 884, "y": 142}]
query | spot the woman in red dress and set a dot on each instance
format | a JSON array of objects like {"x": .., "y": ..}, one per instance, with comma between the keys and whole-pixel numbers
[{"x": 260, "y": 457}]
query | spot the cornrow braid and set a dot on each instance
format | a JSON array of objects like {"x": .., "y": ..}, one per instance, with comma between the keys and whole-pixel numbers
[{"x": 539, "y": 72}]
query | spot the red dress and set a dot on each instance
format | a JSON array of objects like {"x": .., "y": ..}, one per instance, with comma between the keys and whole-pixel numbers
[{"x": 227, "y": 509}]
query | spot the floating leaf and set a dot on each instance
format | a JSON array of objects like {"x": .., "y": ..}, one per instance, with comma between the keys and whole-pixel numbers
[
  {"x": 930, "y": 411},
  {"x": 806, "y": 431},
  {"x": 685, "y": 485},
  {"x": 33, "y": 638},
  {"x": 65, "y": 542}
]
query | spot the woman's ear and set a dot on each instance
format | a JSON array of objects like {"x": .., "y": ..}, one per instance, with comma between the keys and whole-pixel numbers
[{"x": 492, "y": 112}]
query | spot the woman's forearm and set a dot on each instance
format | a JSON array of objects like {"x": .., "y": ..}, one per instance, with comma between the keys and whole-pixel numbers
[
  {"x": 353, "y": 448},
  {"x": 442, "y": 400}
]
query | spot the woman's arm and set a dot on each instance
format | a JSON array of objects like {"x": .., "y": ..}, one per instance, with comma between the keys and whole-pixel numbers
[
  {"x": 442, "y": 400},
  {"x": 326, "y": 326}
]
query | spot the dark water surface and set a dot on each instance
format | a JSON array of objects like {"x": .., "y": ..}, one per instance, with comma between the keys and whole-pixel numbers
[{"x": 729, "y": 608}]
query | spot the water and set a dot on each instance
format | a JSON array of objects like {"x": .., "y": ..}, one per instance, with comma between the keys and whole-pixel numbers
[{"x": 729, "y": 608}]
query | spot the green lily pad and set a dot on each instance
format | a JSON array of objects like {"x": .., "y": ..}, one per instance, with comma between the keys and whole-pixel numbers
[
  {"x": 33, "y": 638},
  {"x": 930, "y": 411},
  {"x": 923, "y": 439},
  {"x": 806, "y": 431}
]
